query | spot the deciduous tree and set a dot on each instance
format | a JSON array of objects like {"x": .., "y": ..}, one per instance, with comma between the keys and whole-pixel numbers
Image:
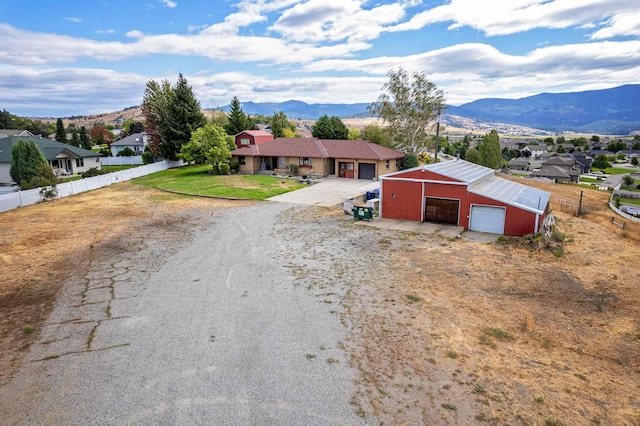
[
  {"x": 208, "y": 145},
  {"x": 409, "y": 108},
  {"x": 376, "y": 134},
  {"x": 155, "y": 109},
  {"x": 279, "y": 125},
  {"x": 601, "y": 162}
]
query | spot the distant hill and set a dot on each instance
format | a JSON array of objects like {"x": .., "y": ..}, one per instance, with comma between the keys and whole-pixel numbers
[
  {"x": 304, "y": 111},
  {"x": 611, "y": 111}
]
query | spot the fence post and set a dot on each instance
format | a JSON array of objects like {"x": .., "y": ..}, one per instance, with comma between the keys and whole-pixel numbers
[{"x": 580, "y": 204}]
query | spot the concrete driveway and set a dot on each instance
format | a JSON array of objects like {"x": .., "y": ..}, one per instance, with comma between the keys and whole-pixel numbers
[{"x": 328, "y": 192}]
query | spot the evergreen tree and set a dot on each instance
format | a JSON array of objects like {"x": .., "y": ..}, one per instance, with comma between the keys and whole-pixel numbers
[
  {"x": 489, "y": 150},
  {"x": 5, "y": 119},
  {"x": 27, "y": 162},
  {"x": 183, "y": 118},
  {"x": 75, "y": 138},
  {"x": 61, "y": 134},
  {"x": 280, "y": 124},
  {"x": 238, "y": 120},
  {"x": 84, "y": 138},
  {"x": 329, "y": 128}
]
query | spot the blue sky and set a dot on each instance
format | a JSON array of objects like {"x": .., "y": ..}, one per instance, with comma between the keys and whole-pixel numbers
[{"x": 72, "y": 57}]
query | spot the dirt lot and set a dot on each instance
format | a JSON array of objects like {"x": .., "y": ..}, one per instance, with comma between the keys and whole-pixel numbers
[{"x": 443, "y": 331}]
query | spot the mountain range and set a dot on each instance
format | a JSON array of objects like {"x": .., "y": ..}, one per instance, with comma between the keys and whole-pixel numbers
[{"x": 613, "y": 111}]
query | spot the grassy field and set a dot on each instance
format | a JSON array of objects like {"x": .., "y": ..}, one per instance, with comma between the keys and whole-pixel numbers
[
  {"x": 197, "y": 180},
  {"x": 614, "y": 171}
]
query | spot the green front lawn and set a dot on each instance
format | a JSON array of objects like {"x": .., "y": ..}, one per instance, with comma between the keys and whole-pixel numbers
[
  {"x": 118, "y": 168},
  {"x": 196, "y": 180},
  {"x": 615, "y": 171},
  {"x": 589, "y": 180}
]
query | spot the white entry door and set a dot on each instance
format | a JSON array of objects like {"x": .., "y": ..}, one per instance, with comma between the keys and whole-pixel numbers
[{"x": 488, "y": 219}]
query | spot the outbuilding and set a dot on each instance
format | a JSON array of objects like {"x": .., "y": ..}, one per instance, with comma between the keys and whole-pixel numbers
[{"x": 460, "y": 193}]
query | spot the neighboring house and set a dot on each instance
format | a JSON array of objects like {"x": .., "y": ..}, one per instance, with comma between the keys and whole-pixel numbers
[
  {"x": 464, "y": 194},
  {"x": 264, "y": 127},
  {"x": 559, "y": 169},
  {"x": 136, "y": 142},
  {"x": 63, "y": 158},
  {"x": 252, "y": 137},
  {"x": 536, "y": 150},
  {"x": 630, "y": 153},
  {"x": 6, "y": 133},
  {"x": 520, "y": 164},
  {"x": 595, "y": 152},
  {"x": 319, "y": 157},
  {"x": 568, "y": 147}
]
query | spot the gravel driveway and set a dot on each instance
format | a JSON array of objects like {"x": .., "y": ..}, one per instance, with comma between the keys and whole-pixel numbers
[{"x": 223, "y": 328}]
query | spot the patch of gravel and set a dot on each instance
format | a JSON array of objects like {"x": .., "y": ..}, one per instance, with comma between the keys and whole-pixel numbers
[{"x": 237, "y": 319}]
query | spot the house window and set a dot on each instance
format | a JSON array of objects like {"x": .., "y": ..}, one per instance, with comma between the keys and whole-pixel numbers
[
  {"x": 244, "y": 141},
  {"x": 281, "y": 162},
  {"x": 242, "y": 160},
  {"x": 305, "y": 161},
  {"x": 79, "y": 162},
  {"x": 387, "y": 164}
]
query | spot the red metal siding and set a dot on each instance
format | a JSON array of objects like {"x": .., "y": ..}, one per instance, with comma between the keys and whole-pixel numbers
[
  {"x": 454, "y": 192},
  {"x": 407, "y": 202},
  {"x": 517, "y": 222}
]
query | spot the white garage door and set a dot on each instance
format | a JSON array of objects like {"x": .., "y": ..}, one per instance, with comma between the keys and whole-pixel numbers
[{"x": 487, "y": 219}]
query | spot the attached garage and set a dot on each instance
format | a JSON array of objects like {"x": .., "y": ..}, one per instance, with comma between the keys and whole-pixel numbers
[
  {"x": 366, "y": 171},
  {"x": 460, "y": 193},
  {"x": 488, "y": 219}
]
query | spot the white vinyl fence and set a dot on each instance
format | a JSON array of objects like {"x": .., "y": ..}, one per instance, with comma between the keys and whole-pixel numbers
[
  {"x": 121, "y": 161},
  {"x": 17, "y": 199}
]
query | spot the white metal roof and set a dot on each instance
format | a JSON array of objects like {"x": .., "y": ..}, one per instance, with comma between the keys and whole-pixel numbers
[
  {"x": 461, "y": 170},
  {"x": 513, "y": 193}
]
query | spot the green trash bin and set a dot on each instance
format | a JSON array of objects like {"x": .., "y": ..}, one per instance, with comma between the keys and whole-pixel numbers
[{"x": 362, "y": 213}]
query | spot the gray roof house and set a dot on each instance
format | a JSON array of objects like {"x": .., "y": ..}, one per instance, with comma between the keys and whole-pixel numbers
[
  {"x": 136, "y": 142},
  {"x": 64, "y": 159},
  {"x": 559, "y": 169},
  {"x": 5, "y": 133}
]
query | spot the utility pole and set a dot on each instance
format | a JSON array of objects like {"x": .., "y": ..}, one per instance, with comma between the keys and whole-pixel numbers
[
  {"x": 580, "y": 204},
  {"x": 435, "y": 155}
]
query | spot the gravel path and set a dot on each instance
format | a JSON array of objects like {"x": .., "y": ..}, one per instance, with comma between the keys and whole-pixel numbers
[{"x": 216, "y": 330}]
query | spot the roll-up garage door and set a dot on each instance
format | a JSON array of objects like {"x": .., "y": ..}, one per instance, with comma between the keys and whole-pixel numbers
[
  {"x": 488, "y": 219},
  {"x": 366, "y": 171},
  {"x": 439, "y": 210}
]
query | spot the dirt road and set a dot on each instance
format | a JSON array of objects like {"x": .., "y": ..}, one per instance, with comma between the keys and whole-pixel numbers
[{"x": 411, "y": 328}]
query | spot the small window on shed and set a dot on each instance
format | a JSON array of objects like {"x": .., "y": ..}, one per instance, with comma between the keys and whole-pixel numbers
[{"x": 245, "y": 141}]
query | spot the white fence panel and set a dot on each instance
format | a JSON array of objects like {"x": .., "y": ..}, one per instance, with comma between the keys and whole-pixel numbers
[
  {"x": 30, "y": 196},
  {"x": 121, "y": 161},
  {"x": 64, "y": 189},
  {"x": 14, "y": 200},
  {"x": 10, "y": 201}
]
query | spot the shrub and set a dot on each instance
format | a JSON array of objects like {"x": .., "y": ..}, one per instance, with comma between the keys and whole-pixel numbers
[
  {"x": 105, "y": 152},
  {"x": 215, "y": 169},
  {"x": 127, "y": 152},
  {"x": 93, "y": 172},
  {"x": 292, "y": 169},
  {"x": 235, "y": 167},
  {"x": 148, "y": 158},
  {"x": 223, "y": 168},
  {"x": 410, "y": 161}
]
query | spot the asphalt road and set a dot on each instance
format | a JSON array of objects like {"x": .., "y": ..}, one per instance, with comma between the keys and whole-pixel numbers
[{"x": 211, "y": 331}]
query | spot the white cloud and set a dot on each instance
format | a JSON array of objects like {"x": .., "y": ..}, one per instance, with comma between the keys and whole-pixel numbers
[
  {"x": 335, "y": 20},
  {"x": 109, "y": 31},
  {"x": 72, "y": 19},
  {"x": 503, "y": 17},
  {"x": 168, "y": 3},
  {"x": 627, "y": 24}
]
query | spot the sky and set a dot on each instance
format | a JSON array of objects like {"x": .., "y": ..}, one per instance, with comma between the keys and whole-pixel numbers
[{"x": 80, "y": 57}]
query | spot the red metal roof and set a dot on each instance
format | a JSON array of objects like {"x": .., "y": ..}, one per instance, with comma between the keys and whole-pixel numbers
[
  {"x": 320, "y": 148},
  {"x": 256, "y": 133}
]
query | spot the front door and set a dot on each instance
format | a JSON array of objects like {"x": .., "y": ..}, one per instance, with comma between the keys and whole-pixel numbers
[{"x": 346, "y": 170}]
